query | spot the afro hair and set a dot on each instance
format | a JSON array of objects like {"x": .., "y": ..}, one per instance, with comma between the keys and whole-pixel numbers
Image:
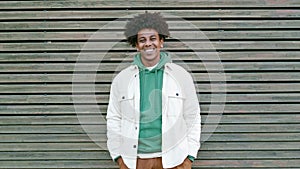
[{"x": 146, "y": 20}]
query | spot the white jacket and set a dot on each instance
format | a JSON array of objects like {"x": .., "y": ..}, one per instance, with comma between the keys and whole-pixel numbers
[{"x": 181, "y": 119}]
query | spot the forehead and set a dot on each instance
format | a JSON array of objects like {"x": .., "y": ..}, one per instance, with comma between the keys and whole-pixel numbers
[{"x": 147, "y": 32}]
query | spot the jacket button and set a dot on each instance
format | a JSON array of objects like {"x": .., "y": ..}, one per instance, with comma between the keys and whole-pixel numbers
[
  {"x": 177, "y": 94},
  {"x": 134, "y": 146},
  {"x": 123, "y": 97}
]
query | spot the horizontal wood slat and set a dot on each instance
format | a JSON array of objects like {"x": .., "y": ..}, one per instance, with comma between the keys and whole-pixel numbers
[
  {"x": 208, "y": 155},
  {"x": 104, "y": 88},
  {"x": 201, "y": 46},
  {"x": 99, "y": 14},
  {"x": 78, "y": 138},
  {"x": 101, "y": 129},
  {"x": 145, "y": 4},
  {"x": 103, "y": 99},
  {"x": 121, "y": 56},
  {"x": 112, "y": 67},
  {"x": 263, "y": 77},
  {"x": 204, "y": 24},
  {"x": 99, "y": 119},
  {"x": 83, "y": 36},
  {"x": 212, "y": 35},
  {"x": 44, "y": 109}
]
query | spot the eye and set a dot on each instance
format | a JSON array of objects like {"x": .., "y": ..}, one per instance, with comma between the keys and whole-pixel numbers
[
  {"x": 153, "y": 39},
  {"x": 142, "y": 41}
]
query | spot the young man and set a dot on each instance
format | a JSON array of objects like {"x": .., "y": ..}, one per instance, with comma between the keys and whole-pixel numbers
[{"x": 153, "y": 116}]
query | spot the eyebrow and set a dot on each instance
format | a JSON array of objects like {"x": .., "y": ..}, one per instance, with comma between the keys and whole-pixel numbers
[{"x": 150, "y": 36}]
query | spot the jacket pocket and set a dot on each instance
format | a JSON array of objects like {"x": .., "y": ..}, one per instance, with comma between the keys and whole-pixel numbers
[
  {"x": 175, "y": 104},
  {"x": 127, "y": 107}
]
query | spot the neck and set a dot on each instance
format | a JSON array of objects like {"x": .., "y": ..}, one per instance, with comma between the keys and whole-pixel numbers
[{"x": 150, "y": 63}]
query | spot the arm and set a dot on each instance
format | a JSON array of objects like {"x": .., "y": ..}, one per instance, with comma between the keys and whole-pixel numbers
[
  {"x": 192, "y": 116},
  {"x": 114, "y": 123}
]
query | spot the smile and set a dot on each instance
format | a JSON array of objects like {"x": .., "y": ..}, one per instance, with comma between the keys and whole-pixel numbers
[{"x": 149, "y": 50}]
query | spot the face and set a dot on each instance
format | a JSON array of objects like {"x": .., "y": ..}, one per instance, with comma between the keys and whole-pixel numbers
[{"x": 149, "y": 44}]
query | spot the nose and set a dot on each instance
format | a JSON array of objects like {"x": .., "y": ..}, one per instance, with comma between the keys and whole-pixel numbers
[{"x": 148, "y": 43}]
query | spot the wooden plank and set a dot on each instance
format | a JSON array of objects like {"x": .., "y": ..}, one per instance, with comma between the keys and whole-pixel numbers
[
  {"x": 103, "y": 98},
  {"x": 198, "y": 46},
  {"x": 99, "y": 119},
  {"x": 111, "y": 165},
  {"x": 137, "y": 3},
  {"x": 49, "y": 129},
  {"x": 250, "y": 146},
  {"x": 78, "y": 138},
  {"x": 248, "y": 155},
  {"x": 200, "y": 24},
  {"x": 64, "y": 109},
  {"x": 87, "y": 164},
  {"x": 94, "y": 147},
  {"x": 118, "y": 36},
  {"x": 101, "y": 129},
  {"x": 247, "y": 163},
  {"x": 53, "y": 138},
  {"x": 178, "y": 13},
  {"x": 67, "y": 155},
  {"x": 104, "y": 88},
  {"x": 112, "y": 67},
  {"x": 93, "y": 155},
  {"x": 124, "y": 56},
  {"x": 266, "y": 77}
]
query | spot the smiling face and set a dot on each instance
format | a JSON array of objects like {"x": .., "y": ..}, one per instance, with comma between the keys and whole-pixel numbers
[{"x": 149, "y": 44}]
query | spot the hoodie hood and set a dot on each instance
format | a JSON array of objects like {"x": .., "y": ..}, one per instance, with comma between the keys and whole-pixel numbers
[{"x": 164, "y": 58}]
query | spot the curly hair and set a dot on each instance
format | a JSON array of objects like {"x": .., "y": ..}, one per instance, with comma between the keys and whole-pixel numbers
[{"x": 146, "y": 20}]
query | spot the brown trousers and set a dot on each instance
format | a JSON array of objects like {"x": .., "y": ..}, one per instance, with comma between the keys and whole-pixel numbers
[{"x": 156, "y": 163}]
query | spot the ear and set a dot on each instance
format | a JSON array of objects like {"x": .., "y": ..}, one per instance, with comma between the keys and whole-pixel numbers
[
  {"x": 136, "y": 46},
  {"x": 162, "y": 43}
]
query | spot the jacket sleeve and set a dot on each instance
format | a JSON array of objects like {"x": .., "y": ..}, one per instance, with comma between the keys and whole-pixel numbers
[
  {"x": 191, "y": 114},
  {"x": 113, "y": 123}
]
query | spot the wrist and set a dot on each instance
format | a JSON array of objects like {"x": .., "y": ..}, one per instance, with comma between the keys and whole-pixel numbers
[{"x": 191, "y": 158}]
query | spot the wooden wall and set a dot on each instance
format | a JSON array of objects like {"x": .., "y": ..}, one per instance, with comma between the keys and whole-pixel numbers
[{"x": 258, "y": 42}]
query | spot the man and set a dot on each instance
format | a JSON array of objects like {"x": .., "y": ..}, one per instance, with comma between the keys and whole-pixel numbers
[{"x": 153, "y": 116}]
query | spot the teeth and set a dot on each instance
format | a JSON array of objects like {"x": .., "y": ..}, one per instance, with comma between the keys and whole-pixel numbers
[{"x": 149, "y": 50}]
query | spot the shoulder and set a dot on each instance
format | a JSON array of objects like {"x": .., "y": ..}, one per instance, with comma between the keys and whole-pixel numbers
[
  {"x": 176, "y": 69},
  {"x": 126, "y": 73}
]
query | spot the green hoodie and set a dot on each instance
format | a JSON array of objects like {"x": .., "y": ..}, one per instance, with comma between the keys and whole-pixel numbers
[{"x": 151, "y": 104}]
